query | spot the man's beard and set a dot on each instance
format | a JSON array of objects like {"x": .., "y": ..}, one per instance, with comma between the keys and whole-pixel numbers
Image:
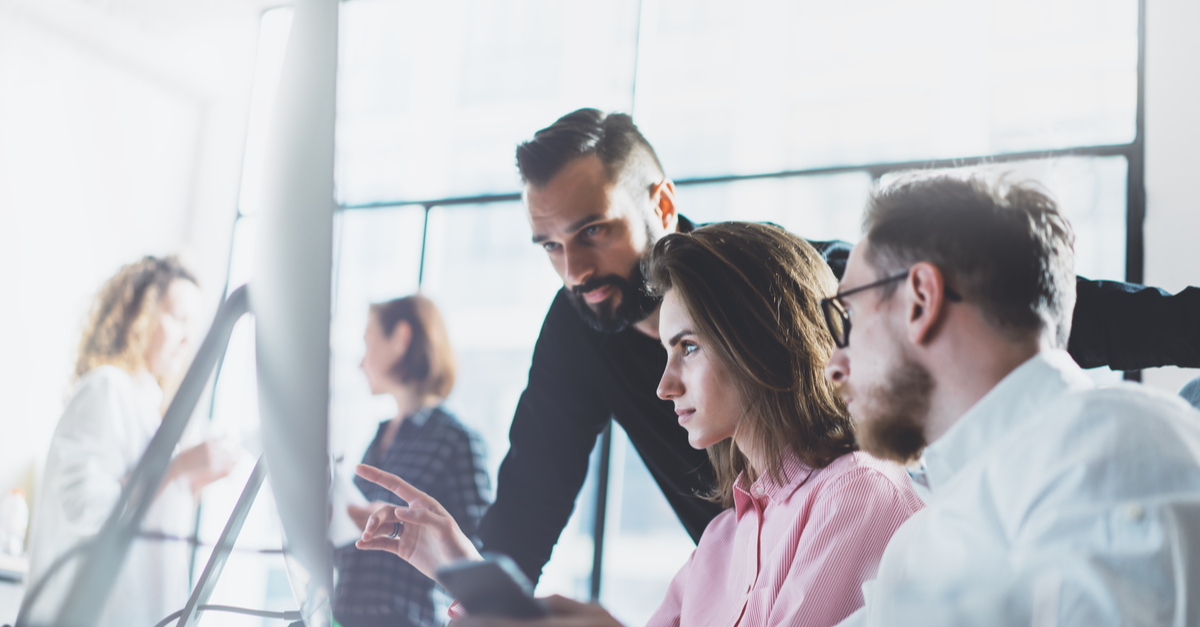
[
  {"x": 897, "y": 431},
  {"x": 636, "y": 304}
]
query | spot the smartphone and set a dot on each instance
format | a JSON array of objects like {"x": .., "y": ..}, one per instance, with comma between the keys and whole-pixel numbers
[{"x": 493, "y": 587}]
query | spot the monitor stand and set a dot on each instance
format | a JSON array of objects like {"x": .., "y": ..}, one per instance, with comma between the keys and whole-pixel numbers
[{"x": 216, "y": 561}]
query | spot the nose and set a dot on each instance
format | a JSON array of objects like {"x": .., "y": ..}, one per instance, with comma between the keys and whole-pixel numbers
[
  {"x": 669, "y": 387},
  {"x": 838, "y": 368},
  {"x": 579, "y": 265}
]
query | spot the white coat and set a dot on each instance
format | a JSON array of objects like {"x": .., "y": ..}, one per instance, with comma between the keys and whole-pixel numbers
[{"x": 102, "y": 434}]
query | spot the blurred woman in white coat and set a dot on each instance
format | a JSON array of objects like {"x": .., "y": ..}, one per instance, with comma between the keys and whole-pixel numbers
[{"x": 137, "y": 341}]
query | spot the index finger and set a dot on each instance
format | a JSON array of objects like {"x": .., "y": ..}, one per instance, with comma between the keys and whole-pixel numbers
[{"x": 396, "y": 485}]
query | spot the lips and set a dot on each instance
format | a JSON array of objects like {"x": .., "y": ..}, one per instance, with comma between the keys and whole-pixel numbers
[
  {"x": 599, "y": 294},
  {"x": 685, "y": 414}
]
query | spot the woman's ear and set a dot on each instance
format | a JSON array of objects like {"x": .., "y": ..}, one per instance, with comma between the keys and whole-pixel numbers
[{"x": 400, "y": 339}]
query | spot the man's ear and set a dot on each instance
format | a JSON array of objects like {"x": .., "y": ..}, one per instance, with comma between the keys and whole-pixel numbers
[
  {"x": 925, "y": 291},
  {"x": 662, "y": 195}
]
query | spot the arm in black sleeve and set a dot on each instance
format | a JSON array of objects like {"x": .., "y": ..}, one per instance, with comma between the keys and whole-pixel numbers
[
  {"x": 1129, "y": 327},
  {"x": 553, "y": 432}
]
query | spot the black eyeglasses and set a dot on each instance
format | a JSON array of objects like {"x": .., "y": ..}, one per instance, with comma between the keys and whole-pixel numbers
[{"x": 837, "y": 319}]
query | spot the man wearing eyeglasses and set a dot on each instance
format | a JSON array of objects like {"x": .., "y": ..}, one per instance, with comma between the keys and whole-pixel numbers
[
  {"x": 597, "y": 200},
  {"x": 1051, "y": 502}
]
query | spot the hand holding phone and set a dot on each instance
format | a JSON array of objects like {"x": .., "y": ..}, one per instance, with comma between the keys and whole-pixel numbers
[
  {"x": 493, "y": 587},
  {"x": 560, "y": 612}
]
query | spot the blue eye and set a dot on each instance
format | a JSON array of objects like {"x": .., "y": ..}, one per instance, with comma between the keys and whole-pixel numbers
[
  {"x": 593, "y": 230},
  {"x": 689, "y": 348},
  {"x": 550, "y": 246}
]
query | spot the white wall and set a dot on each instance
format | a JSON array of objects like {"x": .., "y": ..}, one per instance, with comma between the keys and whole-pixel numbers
[
  {"x": 121, "y": 133},
  {"x": 1172, "y": 156}
]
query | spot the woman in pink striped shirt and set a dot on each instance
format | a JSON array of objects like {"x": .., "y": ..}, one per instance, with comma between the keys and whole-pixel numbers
[{"x": 808, "y": 515}]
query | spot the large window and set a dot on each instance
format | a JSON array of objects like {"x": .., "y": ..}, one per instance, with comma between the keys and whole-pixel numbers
[{"x": 787, "y": 111}]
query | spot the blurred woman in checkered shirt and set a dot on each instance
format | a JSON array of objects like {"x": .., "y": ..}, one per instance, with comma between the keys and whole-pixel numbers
[{"x": 408, "y": 356}]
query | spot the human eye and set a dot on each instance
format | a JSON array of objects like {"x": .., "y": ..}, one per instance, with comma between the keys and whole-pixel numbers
[
  {"x": 550, "y": 246},
  {"x": 594, "y": 230},
  {"x": 688, "y": 348}
]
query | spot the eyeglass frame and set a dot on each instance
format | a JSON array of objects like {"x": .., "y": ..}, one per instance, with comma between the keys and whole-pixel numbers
[{"x": 834, "y": 304}]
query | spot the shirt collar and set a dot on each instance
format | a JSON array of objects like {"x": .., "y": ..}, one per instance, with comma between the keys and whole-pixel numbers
[
  {"x": 1018, "y": 398},
  {"x": 795, "y": 474},
  {"x": 421, "y": 417},
  {"x": 415, "y": 421}
]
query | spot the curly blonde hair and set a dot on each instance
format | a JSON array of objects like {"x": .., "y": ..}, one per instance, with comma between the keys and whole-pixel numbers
[{"x": 119, "y": 325}]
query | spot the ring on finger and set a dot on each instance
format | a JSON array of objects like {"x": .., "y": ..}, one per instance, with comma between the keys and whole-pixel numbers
[{"x": 395, "y": 530}]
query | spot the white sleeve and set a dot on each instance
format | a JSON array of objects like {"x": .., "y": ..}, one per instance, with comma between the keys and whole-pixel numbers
[{"x": 90, "y": 449}]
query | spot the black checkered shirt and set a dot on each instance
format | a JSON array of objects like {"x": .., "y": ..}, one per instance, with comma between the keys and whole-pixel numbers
[{"x": 439, "y": 456}]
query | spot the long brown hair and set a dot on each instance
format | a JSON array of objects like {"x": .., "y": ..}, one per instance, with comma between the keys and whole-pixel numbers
[
  {"x": 120, "y": 322},
  {"x": 754, "y": 291},
  {"x": 429, "y": 361}
]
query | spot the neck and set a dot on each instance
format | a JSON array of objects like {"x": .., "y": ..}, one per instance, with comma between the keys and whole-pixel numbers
[
  {"x": 967, "y": 369},
  {"x": 409, "y": 402},
  {"x": 745, "y": 444}
]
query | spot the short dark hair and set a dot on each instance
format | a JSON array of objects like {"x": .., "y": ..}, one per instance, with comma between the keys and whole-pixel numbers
[
  {"x": 754, "y": 291},
  {"x": 1002, "y": 245},
  {"x": 613, "y": 137},
  {"x": 429, "y": 361}
]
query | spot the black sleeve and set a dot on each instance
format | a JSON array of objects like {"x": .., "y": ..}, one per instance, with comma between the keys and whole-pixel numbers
[
  {"x": 1129, "y": 327},
  {"x": 836, "y": 253},
  {"x": 553, "y": 431},
  {"x": 466, "y": 489}
]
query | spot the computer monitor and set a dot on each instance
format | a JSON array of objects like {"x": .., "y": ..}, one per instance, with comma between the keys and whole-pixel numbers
[{"x": 290, "y": 298}]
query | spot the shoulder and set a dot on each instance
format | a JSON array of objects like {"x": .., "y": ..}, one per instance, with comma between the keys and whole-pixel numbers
[
  {"x": 1123, "y": 441},
  {"x": 449, "y": 428},
  {"x": 719, "y": 532},
  {"x": 562, "y": 313},
  {"x": 100, "y": 390},
  {"x": 1125, "y": 417},
  {"x": 104, "y": 407},
  {"x": 105, "y": 379},
  {"x": 861, "y": 479},
  {"x": 443, "y": 420},
  {"x": 563, "y": 330}
]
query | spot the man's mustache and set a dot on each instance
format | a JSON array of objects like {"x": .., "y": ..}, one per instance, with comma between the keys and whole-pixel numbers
[{"x": 599, "y": 282}]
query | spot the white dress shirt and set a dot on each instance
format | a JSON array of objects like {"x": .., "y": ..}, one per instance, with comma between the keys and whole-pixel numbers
[
  {"x": 1052, "y": 502},
  {"x": 102, "y": 434}
]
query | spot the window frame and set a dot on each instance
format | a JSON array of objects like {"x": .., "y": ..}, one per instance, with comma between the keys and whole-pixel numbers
[{"x": 1133, "y": 152}]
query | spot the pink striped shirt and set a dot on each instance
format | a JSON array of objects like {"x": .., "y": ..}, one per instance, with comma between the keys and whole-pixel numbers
[{"x": 793, "y": 554}]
